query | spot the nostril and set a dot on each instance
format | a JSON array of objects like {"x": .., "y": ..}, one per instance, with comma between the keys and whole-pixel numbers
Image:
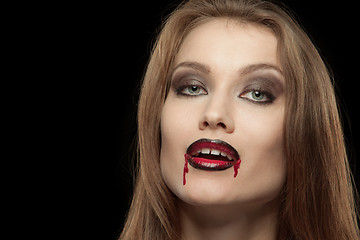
[
  {"x": 206, "y": 124},
  {"x": 227, "y": 126}
]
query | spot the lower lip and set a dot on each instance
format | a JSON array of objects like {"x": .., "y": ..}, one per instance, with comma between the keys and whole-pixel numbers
[{"x": 210, "y": 165}]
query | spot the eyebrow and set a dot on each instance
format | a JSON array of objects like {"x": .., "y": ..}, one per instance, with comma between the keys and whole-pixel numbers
[
  {"x": 260, "y": 66},
  {"x": 243, "y": 71},
  {"x": 195, "y": 65}
]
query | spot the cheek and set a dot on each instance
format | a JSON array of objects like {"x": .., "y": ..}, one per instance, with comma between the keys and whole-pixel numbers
[
  {"x": 263, "y": 131},
  {"x": 175, "y": 133},
  {"x": 262, "y": 148}
]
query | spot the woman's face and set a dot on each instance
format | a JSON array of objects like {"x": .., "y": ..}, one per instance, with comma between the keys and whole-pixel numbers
[{"x": 227, "y": 89}]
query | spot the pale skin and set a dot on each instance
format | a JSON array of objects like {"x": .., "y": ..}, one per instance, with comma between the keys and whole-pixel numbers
[{"x": 227, "y": 84}]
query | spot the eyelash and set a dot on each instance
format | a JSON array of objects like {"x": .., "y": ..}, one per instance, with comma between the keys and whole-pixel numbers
[{"x": 270, "y": 97}]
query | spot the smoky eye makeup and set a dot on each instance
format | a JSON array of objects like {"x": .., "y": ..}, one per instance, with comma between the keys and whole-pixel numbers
[
  {"x": 261, "y": 89},
  {"x": 185, "y": 83}
]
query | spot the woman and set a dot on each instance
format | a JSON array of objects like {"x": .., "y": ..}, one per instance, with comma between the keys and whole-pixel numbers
[{"x": 239, "y": 131}]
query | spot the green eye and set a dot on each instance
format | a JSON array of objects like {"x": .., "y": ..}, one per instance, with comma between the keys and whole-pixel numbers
[
  {"x": 191, "y": 90},
  {"x": 194, "y": 89},
  {"x": 257, "y": 95}
]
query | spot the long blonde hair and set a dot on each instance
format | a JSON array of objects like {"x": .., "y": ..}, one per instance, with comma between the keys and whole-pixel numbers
[{"x": 318, "y": 199}]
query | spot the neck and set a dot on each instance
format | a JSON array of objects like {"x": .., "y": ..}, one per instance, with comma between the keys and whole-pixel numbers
[{"x": 229, "y": 222}]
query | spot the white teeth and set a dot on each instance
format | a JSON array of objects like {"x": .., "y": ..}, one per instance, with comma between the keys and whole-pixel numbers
[
  {"x": 205, "y": 151},
  {"x": 209, "y": 165},
  {"x": 215, "y": 152}
]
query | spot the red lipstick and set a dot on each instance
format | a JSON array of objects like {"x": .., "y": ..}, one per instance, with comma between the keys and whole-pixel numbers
[{"x": 211, "y": 155}]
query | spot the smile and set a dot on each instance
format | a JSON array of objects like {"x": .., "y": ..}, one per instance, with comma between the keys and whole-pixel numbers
[{"x": 211, "y": 155}]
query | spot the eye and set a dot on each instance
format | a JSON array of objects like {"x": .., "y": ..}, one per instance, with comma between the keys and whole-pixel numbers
[
  {"x": 258, "y": 96},
  {"x": 191, "y": 90}
]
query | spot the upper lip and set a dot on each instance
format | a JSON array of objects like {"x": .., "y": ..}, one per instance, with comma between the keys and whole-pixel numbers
[{"x": 214, "y": 147}]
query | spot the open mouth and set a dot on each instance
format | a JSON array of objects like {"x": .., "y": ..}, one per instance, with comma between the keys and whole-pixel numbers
[{"x": 211, "y": 155}]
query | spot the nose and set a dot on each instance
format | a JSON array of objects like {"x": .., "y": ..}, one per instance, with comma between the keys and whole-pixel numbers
[{"x": 217, "y": 115}]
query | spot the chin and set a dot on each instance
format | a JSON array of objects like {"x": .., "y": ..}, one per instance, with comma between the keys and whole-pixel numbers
[{"x": 208, "y": 188}]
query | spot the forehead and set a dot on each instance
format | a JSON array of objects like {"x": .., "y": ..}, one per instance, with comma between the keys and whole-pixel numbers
[{"x": 226, "y": 45}]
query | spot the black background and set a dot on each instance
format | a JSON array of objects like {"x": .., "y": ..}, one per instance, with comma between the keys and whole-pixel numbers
[{"x": 105, "y": 48}]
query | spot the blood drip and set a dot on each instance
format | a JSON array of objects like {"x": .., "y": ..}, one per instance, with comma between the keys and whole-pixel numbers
[
  {"x": 186, "y": 169},
  {"x": 236, "y": 167}
]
